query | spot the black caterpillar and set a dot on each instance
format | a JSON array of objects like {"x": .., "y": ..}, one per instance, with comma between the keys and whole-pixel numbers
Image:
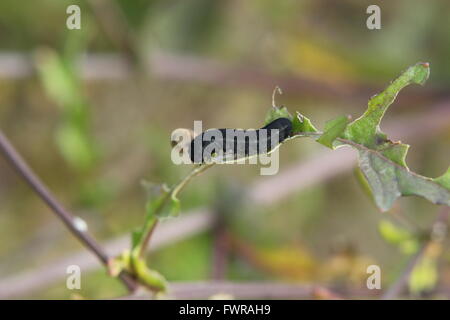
[{"x": 242, "y": 144}]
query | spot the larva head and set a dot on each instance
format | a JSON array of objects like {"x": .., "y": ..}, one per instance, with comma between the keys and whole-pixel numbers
[{"x": 282, "y": 124}]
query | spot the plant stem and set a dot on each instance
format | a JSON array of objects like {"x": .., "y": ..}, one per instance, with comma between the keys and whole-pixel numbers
[
  {"x": 173, "y": 193},
  {"x": 21, "y": 167},
  {"x": 146, "y": 239},
  {"x": 195, "y": 172}
]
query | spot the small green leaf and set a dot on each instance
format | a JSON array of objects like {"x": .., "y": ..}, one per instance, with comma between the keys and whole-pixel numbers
[
  {"x": 424, "y": 276},
  {"x": 333, "y": 129},
  {"x": 392, "y": 233},
  {"x": 301, "y": 124},
  {"x": 57, "y": 77},
  {"x": 136, "y": 237},
  {"x": 166, "y": 205},
  {"x": 61, "y": 82},
  {"x": 161, "y": 202},
  {"x": 275, "y": 113},
  {"x": 400, "y": 237},
  {"x": 75, "y": 146}
]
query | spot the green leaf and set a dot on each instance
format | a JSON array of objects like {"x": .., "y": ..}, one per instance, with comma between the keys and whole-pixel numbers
[
  {"x": 161, "y": 203},
  {"x": 164, "y": 206},
  {"x": 392, "y": 233},
  {"x": 136, "y": 237},
  {"x": 333, "y": 129},
  {"x": 57, "y": 77},
  {"x": 75, "y": 146},
  {"x": 389, "y": 181},
  {"x": 301, "y": 124},
  {"x": 383, "y": 161},
  {"x": 275, "y": 113},
  {"x": 61, "y": 82},
  {"x": 400, "y": 237},
  {"x": 424, "y": 276},
  {"x": 365, "y": 130}
]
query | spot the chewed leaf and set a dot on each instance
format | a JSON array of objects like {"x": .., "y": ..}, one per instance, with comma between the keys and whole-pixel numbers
[
  {"x": 275, "y": 113},
  {"x": 389, "y": 181},
  {"x": 333, "y": 129},
  {"x": 365, "y": 130},
  {"x": 301, "y": 123},
  {"x": 383, "y": 161}
]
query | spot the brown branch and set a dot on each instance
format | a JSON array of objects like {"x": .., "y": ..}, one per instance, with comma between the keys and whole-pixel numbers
[
  {"x": 263, "y": 290},
  {"x": 243, "y": 290},
  {"x": 112, "y": 21},
  {"x": 21, "y": 167},
  {"x": 168, "y": 232},
  {"x": 204, "y": 70},
  {"x": 220, "y": 247}
]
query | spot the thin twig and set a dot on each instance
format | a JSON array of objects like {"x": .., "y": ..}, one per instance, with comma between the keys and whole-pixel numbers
[
  {"x": 168, "y": 233},
  {"x": 220, "y": 246},
  {"x": 21, "y": 167},
  {"x": 204, "y": 70},
  {"x": 172, "y": 194}
]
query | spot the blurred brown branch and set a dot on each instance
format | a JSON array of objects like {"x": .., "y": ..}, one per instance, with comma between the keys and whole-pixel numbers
[
  {"x": 168, "y": 233},
  {"x": 22, "y": 168},
  {"x": 244, "y": 290},
  {"x": 175, "y": 67},
  {"x": 262, "y": 290}
]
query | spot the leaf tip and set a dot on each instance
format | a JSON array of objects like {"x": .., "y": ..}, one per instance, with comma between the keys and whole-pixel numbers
[{"x": 421, "y": 72}]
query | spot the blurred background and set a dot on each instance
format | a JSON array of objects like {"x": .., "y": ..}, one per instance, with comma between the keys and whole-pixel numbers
[{"x": 92, "y": 111}]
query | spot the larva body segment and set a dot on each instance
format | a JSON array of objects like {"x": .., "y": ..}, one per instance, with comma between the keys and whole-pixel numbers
[{"x": 233, "y": 144}]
